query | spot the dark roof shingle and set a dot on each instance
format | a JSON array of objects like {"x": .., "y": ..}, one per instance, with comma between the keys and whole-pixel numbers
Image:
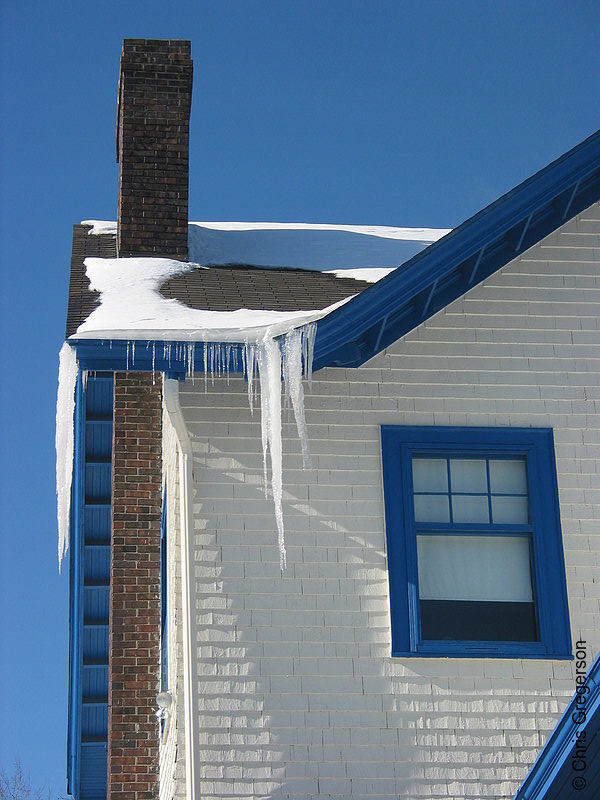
[{"x": 223, "y": 288}]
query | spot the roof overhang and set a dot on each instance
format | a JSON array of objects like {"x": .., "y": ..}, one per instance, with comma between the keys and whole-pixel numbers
[{"x": 428, "y": 282}]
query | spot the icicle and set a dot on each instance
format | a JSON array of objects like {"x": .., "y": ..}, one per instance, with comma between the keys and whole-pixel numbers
[
  {"x": 250, "y": 351},
  {"x": 264, "y": 413},
  {"x": 205, "y": 367},
  {"x": 133, "y": 353},
  {"x": 309, "y": 334},
  {"x": 127, "y": 357},
  {"x": 269, "y": 371},
  {"x": 191, "y": 355},
  {"x": 65, "y": 436},
  {"x": 292, "y": 375}
]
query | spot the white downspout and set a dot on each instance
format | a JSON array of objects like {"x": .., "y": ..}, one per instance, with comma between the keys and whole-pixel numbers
[{"x": 188, "y": 605}]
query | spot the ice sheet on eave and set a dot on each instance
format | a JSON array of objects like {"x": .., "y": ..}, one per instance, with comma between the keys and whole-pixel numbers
[{"x": 358, "y": 251}]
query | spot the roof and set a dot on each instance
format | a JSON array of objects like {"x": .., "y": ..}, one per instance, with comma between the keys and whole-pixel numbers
[
  {"x": 378, "y": 314},
  {"x": 232, "y": 286}
]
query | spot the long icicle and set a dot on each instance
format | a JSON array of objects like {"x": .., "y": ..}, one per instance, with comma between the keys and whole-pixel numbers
[
  {"x": 269, "y": 370},
  {"x": 292, "y": 375},
  {"x": 65, "y": 437}
]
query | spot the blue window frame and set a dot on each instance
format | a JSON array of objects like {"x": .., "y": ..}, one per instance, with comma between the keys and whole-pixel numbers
[{"x": 474, "y": 543}]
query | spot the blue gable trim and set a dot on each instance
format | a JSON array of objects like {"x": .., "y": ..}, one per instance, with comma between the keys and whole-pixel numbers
[
  {"x": 568, "y": 768},
  {"x": 463, "y": 258},
  {"x": 422, "y": 286}
]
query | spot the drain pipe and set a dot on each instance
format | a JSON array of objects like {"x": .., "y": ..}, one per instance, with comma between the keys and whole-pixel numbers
[{"x": 186, "y": 518}]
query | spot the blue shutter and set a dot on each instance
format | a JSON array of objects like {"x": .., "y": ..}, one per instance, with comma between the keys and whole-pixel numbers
[{"x": 89, "y": 589}]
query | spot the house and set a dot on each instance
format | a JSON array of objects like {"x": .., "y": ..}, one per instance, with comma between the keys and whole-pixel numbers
[{"x": 397, "y": 614}]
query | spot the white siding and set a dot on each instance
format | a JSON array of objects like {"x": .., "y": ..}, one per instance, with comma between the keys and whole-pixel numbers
[
  {"x": 172, "y": 744},
  {"x": 299, "y": 696}
]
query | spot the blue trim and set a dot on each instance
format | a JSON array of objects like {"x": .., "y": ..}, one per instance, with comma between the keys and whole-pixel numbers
[
  {"x": 117, "y": 356},
  {"x": 399, "y": 444},
  {"x": 470, "y": 253},
  {"x": 552, "y": 774}
]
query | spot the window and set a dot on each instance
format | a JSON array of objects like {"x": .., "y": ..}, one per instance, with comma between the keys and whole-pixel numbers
[{"x": 474, "y": 542}]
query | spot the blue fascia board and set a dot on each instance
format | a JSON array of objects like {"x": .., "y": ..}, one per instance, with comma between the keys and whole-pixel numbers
[
  {"x": 539, "y": 782},
  {"x": 451, "y": 266},
  {"x": 115, "y": 355},
  {"x": 422, "y": 286}
]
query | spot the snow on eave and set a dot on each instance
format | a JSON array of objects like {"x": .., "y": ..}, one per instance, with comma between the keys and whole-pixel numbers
[{"x": 132, "y": 308}]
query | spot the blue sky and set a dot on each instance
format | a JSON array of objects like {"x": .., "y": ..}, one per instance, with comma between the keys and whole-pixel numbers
[{"x": 380, "y": 112}]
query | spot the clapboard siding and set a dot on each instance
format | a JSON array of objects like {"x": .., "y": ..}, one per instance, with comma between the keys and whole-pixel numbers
[{"x": 299, "y": 696}]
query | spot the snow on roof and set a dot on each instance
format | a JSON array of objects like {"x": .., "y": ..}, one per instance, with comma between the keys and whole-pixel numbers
[
  {"x": 300, "y": 245},
  {"x": 131, "y": 307}
]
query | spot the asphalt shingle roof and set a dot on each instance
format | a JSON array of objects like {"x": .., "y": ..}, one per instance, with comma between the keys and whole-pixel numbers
[{"x": 222, "y": 288}]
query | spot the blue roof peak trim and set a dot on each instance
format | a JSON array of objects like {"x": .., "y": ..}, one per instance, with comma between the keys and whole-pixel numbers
[{"x": 464, "y": 257}]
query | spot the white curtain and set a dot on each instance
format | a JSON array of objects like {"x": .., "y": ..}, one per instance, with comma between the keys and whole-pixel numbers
[{"x": 474, "y": 568}]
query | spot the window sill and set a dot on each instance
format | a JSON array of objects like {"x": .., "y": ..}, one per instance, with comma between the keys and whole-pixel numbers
[{"x": 512, "y": 650}]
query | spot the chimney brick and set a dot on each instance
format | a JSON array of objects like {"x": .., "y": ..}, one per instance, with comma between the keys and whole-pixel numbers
[
  {"x": 153, "y": 153},
  {"x": 155, "y": 90},
  {"x": 134, "y": 605}
]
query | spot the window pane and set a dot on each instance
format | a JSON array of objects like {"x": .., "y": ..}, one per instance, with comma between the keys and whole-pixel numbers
[
  {"x": 492, "y": 568},
  {"x": 432, "y": 508},
  {"x": 511, "y": 510},
  {"x": 477, "y": 621},
  {"x": 508, "y": 477},
  {"x": 470, "y": 508},
  {"x": 468, "y": 475},
  {"x": 430, "y": 475}
]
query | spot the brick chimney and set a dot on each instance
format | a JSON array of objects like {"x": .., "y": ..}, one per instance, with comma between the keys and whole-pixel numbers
[
  {"x": 155, "y": 90},
  {"x": 152, "y": 150}
]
